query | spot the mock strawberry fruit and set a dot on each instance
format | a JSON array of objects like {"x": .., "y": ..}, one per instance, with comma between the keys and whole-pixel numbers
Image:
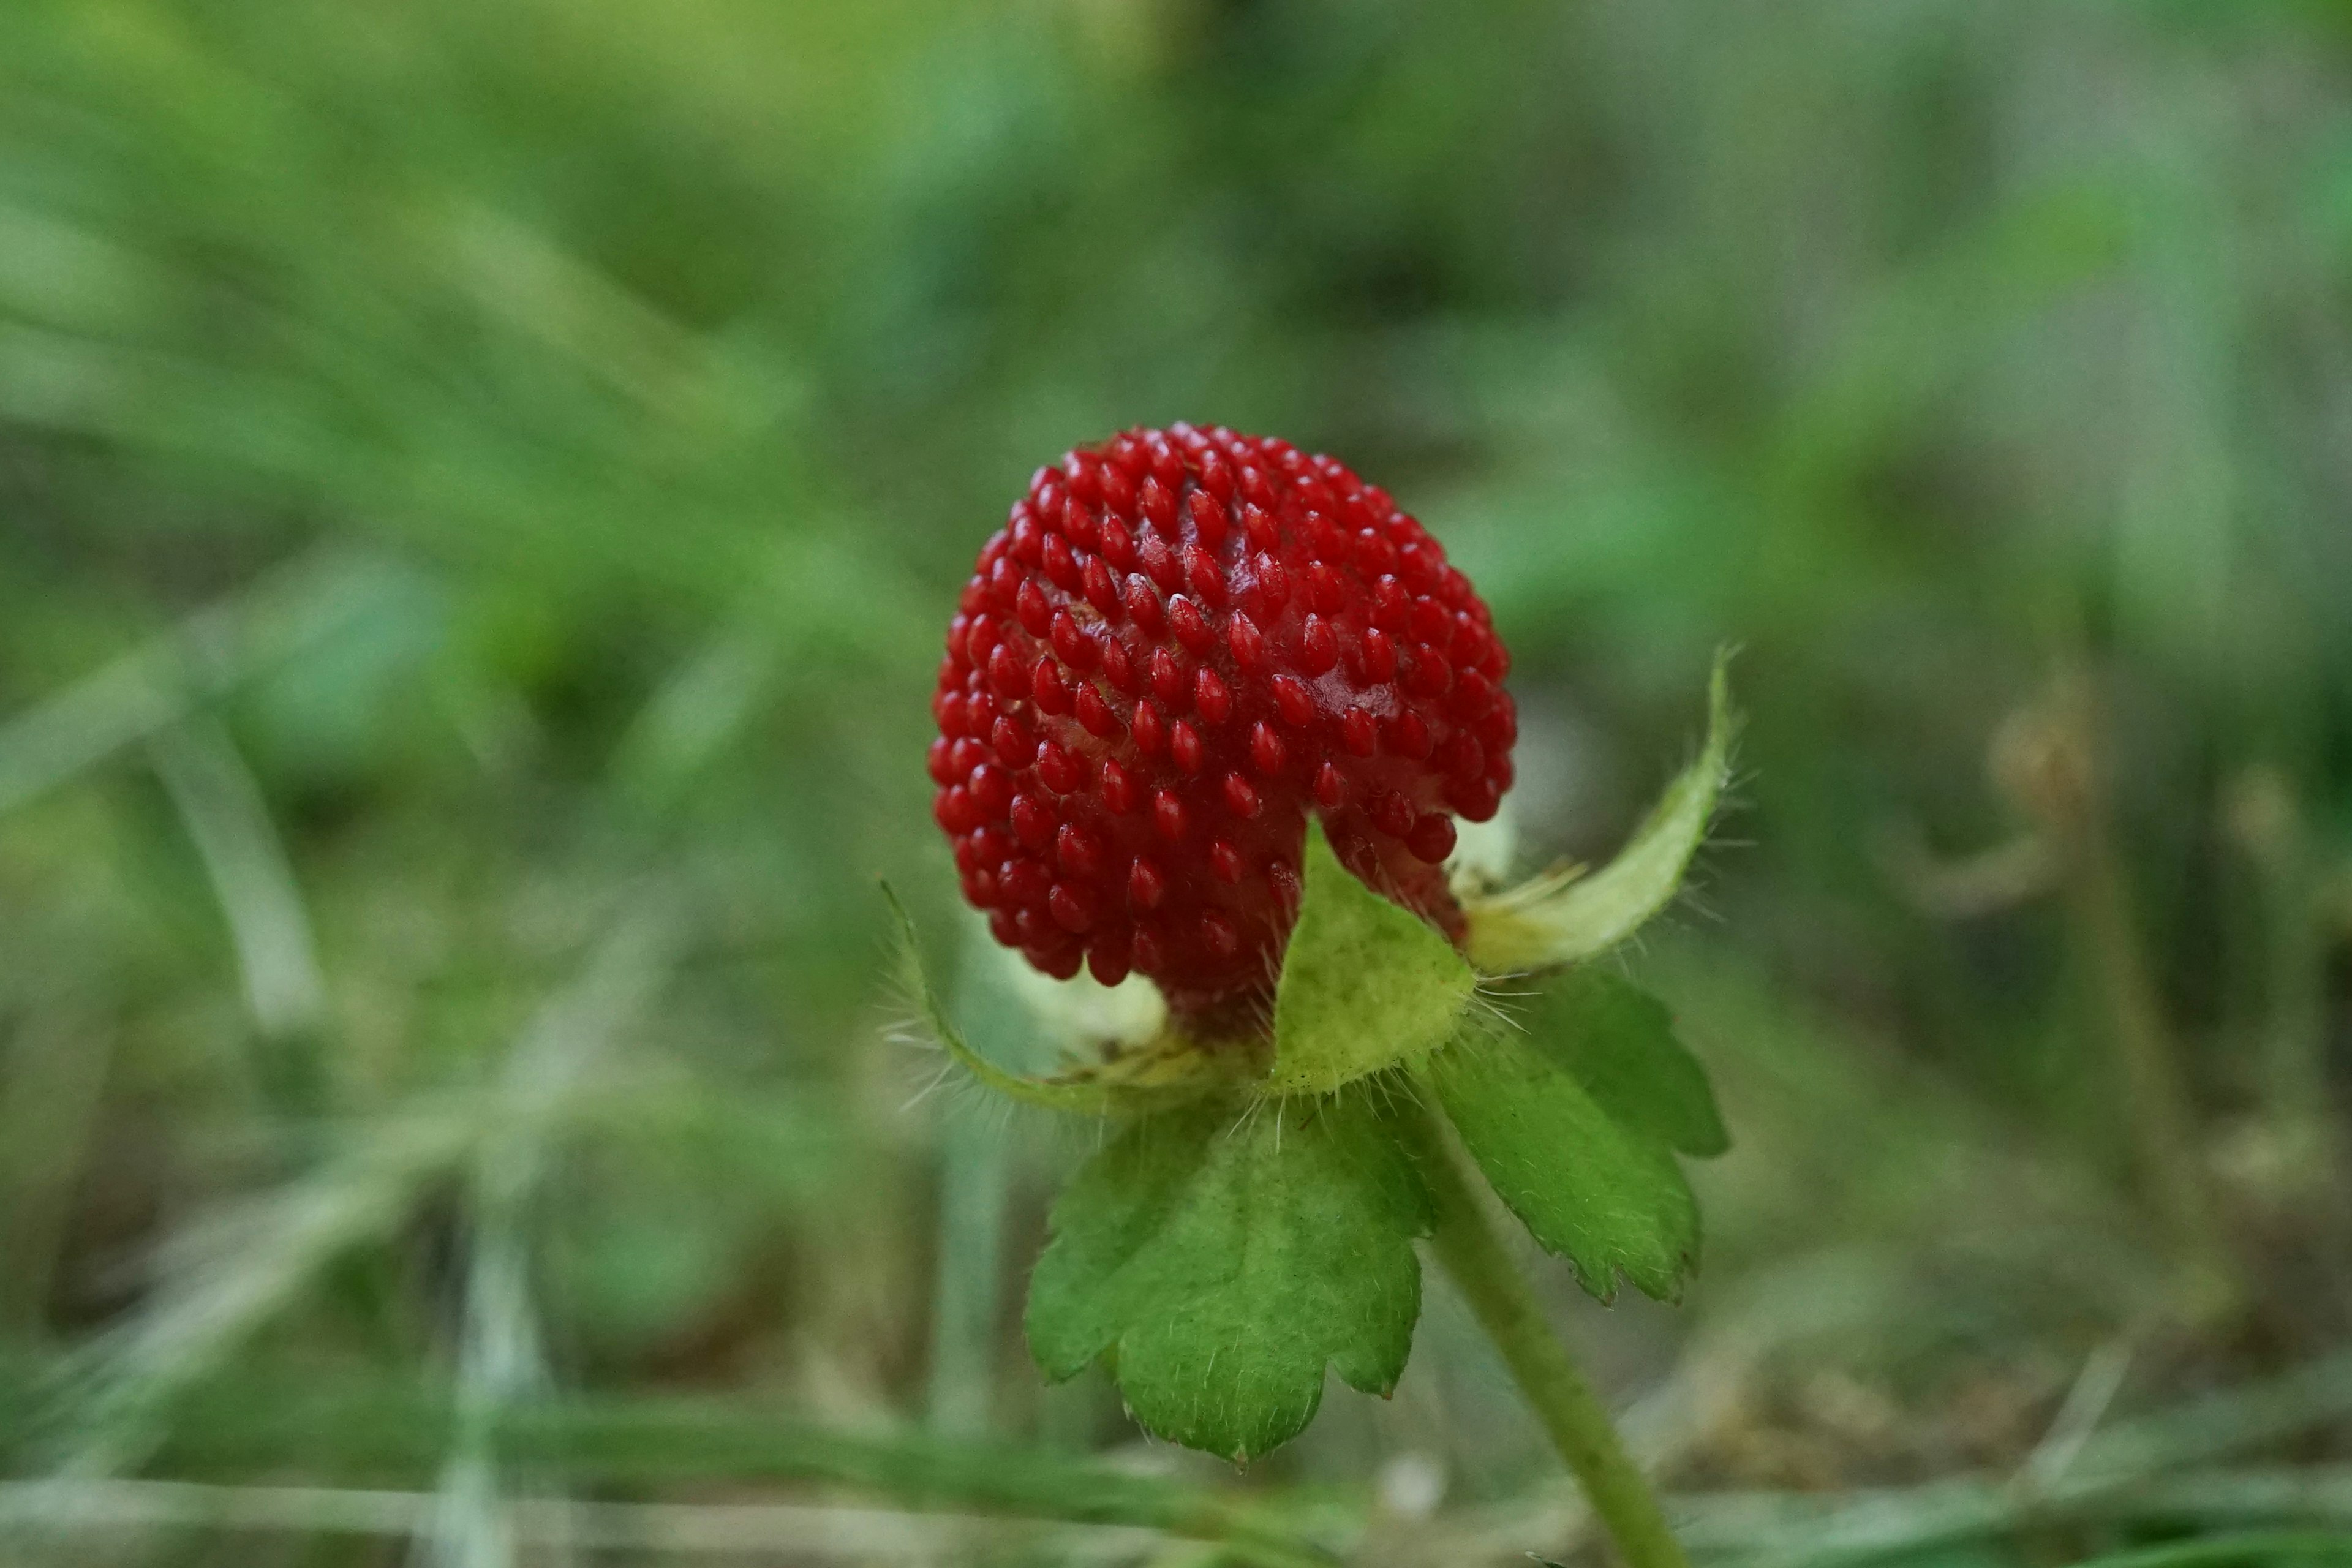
[{"x": 1183, "y": 642}]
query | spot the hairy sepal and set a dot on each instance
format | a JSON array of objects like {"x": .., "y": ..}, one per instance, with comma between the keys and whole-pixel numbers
[
  {"x": 1168, "y": 1070},
  {"x": 1366, "y": 983},
  {"x": 1563, "y": 917}
]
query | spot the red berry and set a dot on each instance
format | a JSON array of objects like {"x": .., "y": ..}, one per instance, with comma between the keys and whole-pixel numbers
[{"x": 1182, "y": 644}]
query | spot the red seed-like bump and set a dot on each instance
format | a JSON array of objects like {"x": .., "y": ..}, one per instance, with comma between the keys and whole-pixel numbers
[
  {"x": 1211, "y": 699},
  {"x": 1062, "y": 563},
  {"x": 1292, "y": 702},
  {"x": 1071, "y": 643},
  {"x": 1408, "y": 736},
  {"x": 1431, "y": 838},
  {"x": 1056, "y": 768},
  {"x": 1205, "y": 580},
  {"x": 1035, "y": 609},
  {"x": 1046, "y": 687},
  {"x": 1189, "y": 625},
  {"x": 1169, "y": 815},
  {"x": 1117, "y": 544},
  {"x": 1225, "y": 862},
  {"x": 1072, "y": 906},
  {"x": 1095, "y": 712},
  {"x": 1015, "y": 747},
  {"x": 1358, "y": 731},
  {"x": 1160, "y": 563},
  {"x": 1267, "y": 752},
  {"x": 1210, "y": 521},
  {"x": 1106, "y": 961},
  {"x": 1184, "y": 744},
  {"x": 1167, "y": 679},
  {"x": 1429, "y": 675},
  {"x": 1146, "y": 886},
  {"x": 1318, "y": 646},
  {"x": 1102, "y": 589},
  {"x": 1119, "y": 666},
  {"x": 1259, "y": 525},
  {"x": 1022, "y": 881},
  {"x": 1271, "y": 590},
  {"x": 1477, "y": 799},
  {"x": 1078, "y": 852},
  {"x": 1006, "y": 673},
  {"x": 1156, "y": 506},
  {"x": 1248, "y": 644},
  {"x": 1032, "y": 821},
  {"x": 1143, "y": 606},
  {"x": 992, "y": 791},
  {"x": 1120, "y": 792},
  {"x": 1150, "y": 731},
  {"x": 1241, "y": 796},
  {"x": 954, "y": 811}
]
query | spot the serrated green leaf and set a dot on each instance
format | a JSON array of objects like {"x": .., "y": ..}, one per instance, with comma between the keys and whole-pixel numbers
[
  {"x": 1561, "y": 918},
  {"x": 1619, "y": 1042},
  {"x": 1366, "y": 983},
  {"x": 1223, "y": 1263},
  {"x": 1589, "y": 1174}
]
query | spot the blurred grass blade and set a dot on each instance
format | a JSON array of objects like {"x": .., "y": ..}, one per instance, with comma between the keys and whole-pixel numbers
[
  {"x": 222, "y": 805},
  {"x": 145, "y": 691},
  {"x": 765, "y": 1531},
  {"x": 220, "y": 1281}
]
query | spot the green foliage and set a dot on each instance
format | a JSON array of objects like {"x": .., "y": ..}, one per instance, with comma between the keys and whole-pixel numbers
[
  {"x": 1222, "y": 1264},
  {"x": 1575, "y": 1116},
  {"x": 1366, "y": 985}
]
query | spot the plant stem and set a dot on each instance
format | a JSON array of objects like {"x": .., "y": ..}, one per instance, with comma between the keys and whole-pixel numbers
[{"x": 1467, "y": 1244}]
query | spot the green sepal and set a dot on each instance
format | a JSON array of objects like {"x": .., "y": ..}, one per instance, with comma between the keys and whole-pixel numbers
[
  {"x": 1168, "y": 1070},
  {"x": 1366, "y": 985},
  {"x": 1562, "y": 917},
  {"x": 1575, "y": 1118},
  {"x": 1220, "y": 1256}
]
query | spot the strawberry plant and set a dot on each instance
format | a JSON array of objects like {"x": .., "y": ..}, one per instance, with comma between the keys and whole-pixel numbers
[{"x": 1209, "y": 709}]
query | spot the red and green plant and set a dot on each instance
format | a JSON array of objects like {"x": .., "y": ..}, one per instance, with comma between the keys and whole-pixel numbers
[{"x": 1207, "y": 712}]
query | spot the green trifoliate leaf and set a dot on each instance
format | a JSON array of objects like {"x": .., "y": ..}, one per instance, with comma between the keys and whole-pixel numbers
[
  {"x": 1365, "y": 985},
  {"x": 1220, "y": 1258},
  {"x": 1562, "y": 917},
  {"x": 1575, "y": 1123}
]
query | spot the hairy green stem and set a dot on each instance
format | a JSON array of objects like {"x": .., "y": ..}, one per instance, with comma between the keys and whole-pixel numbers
[{"x": 1467, "y": 1244}]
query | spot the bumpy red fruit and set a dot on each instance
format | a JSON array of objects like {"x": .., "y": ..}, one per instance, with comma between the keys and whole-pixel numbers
[{"x": 1184, "y": 642}]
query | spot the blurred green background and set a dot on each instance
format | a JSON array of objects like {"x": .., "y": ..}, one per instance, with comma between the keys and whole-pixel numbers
[{"x": 480, "y": 487}]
